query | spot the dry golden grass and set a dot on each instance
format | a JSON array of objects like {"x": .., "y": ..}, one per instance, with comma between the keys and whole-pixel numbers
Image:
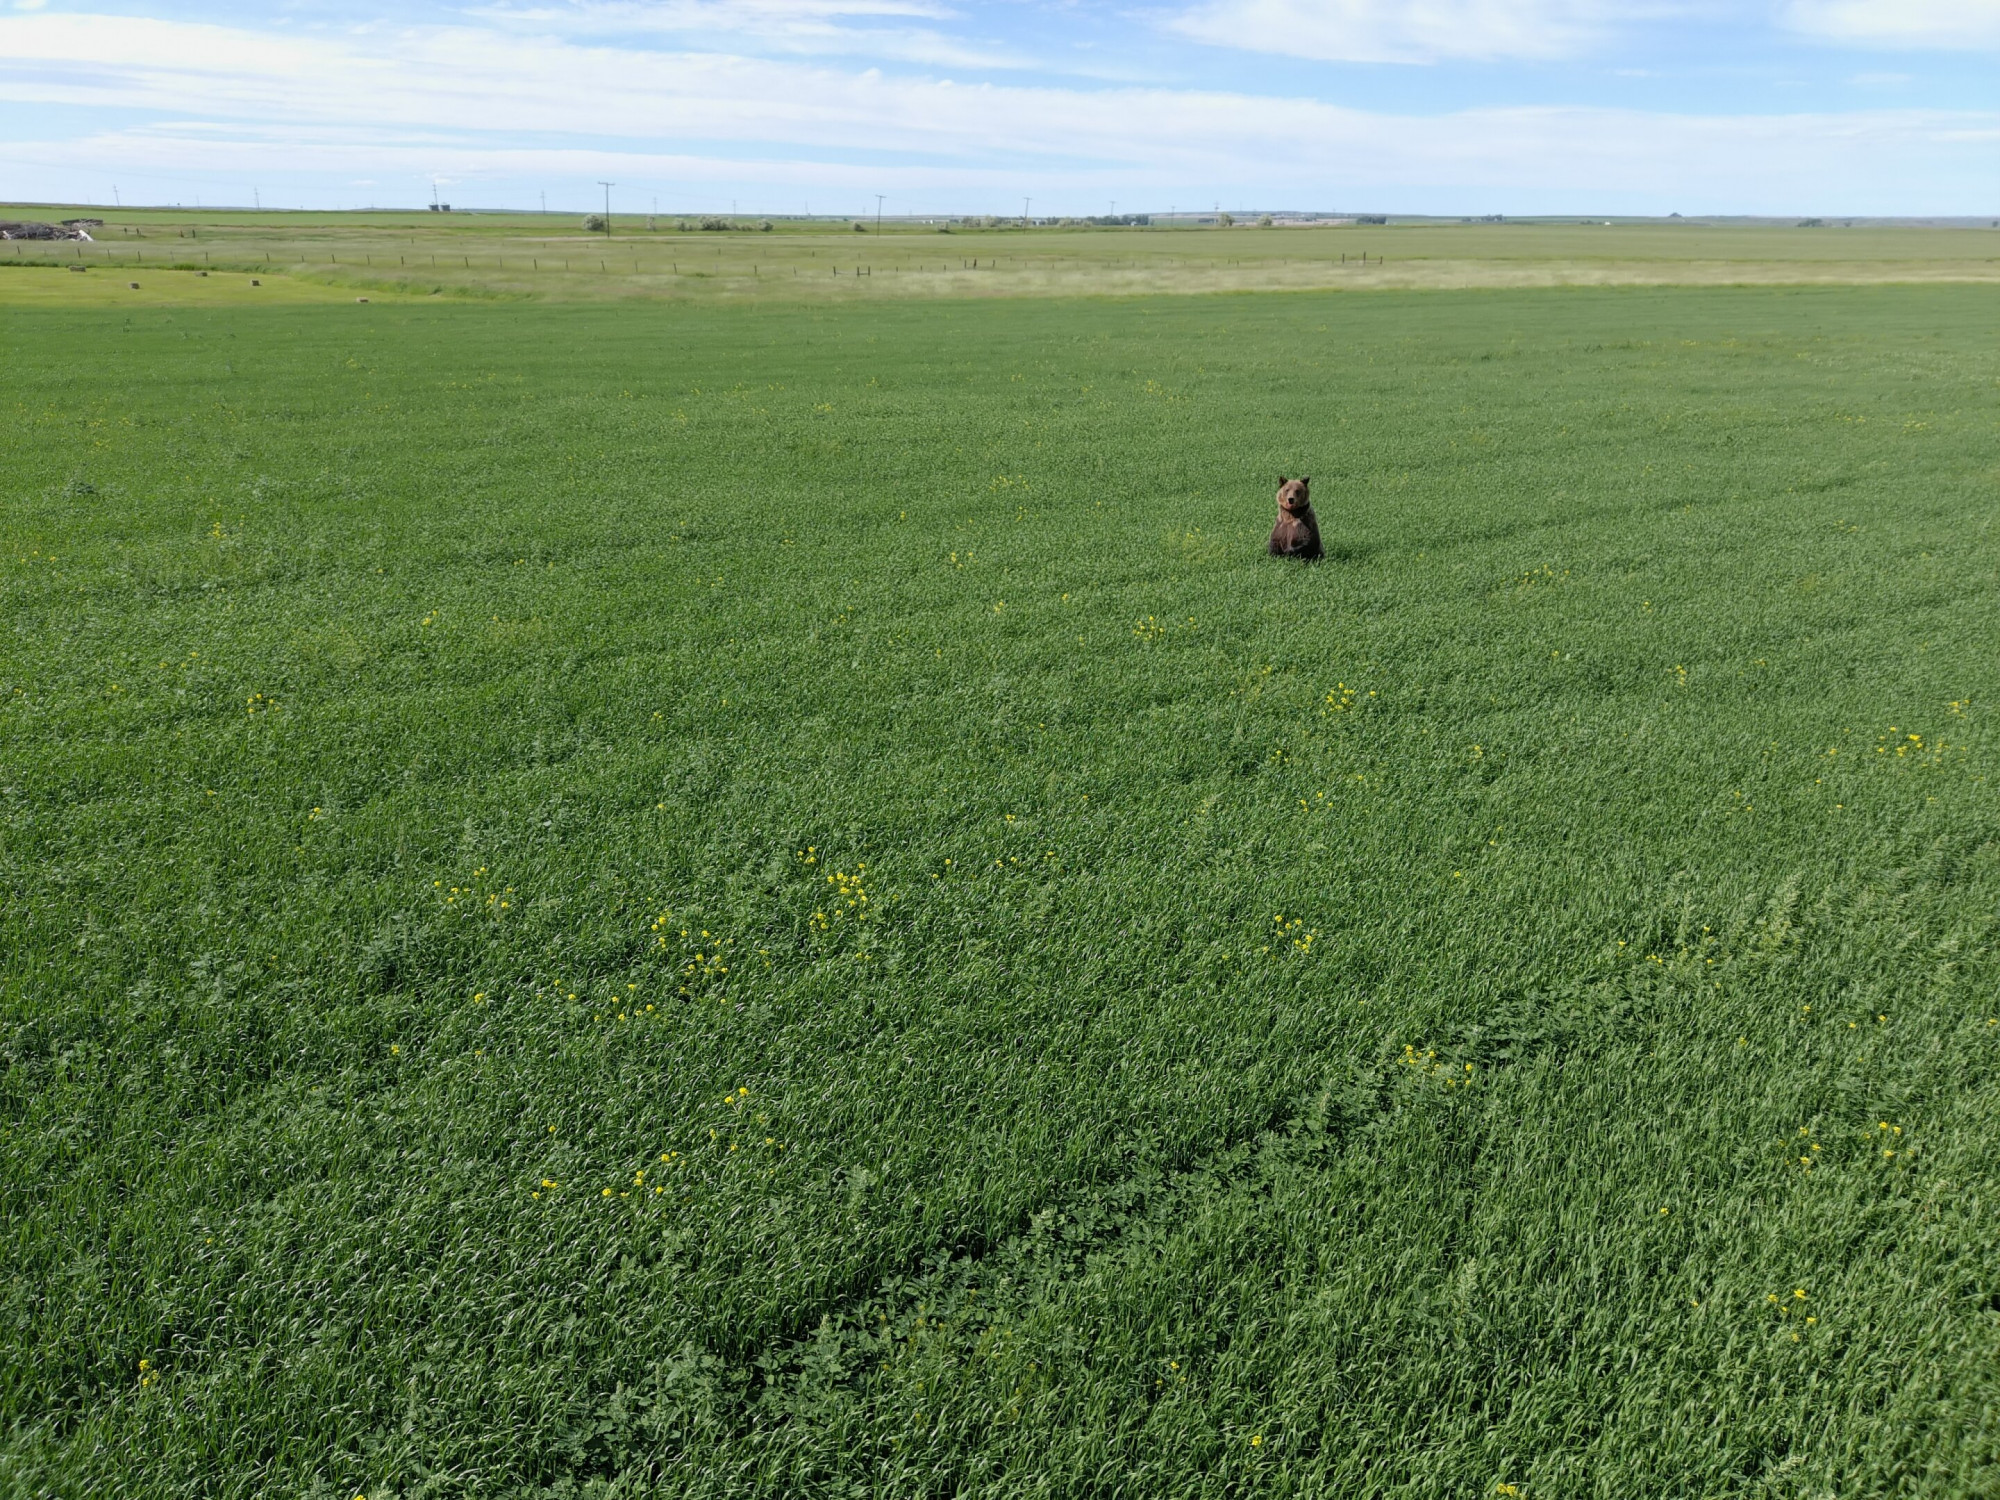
[{"x": 324, "y": 256}]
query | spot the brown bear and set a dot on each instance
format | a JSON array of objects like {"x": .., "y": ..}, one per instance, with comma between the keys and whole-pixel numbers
[{"x": 1297, "y": 533}]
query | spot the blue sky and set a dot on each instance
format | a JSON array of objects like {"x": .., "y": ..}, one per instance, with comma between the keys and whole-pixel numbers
[{"x": 1424, "y": 106}]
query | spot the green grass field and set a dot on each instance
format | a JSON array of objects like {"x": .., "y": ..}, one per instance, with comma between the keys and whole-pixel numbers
[{"x": 777, "y": 900}]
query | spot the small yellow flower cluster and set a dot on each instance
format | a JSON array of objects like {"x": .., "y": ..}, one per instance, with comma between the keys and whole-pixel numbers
[
  {"x": 709, "y": 961},
  {"x": 643, "y": 1177},
  {"x": 1301, "y": 941},
  {"x": 1342, "y": 699},
  {"x": 634, "y": 1014},
  {"x": 1903, "y": 745},
  {"x": 257, "y": 703},
  {"x": 1149, "y": 629},
  {"x": 712, "y": 964},
  {"x": 468, "y": 895},
  {"x": 1787, "y": 1306},
  {"x": 147, "y": 1374},
  {"x": 1807, "y": 1161},
  {"x": 850, "y": 898},
  {"x": 1426, "y": 1065},
  {"x": 1805, "y": 1139}
]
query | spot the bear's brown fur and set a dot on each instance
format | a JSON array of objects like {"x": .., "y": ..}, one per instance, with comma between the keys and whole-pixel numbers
[{"x": 1297, "y": 532}]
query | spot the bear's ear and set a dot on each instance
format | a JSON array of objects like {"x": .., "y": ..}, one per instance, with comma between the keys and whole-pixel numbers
[
  {"x": 1305, "y": 479},
  {"x": 1282, "y": 481}
]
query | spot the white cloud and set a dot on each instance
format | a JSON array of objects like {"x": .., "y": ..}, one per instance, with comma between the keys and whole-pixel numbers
[
  {"x": 711, "y": 15},
  {"x": 1404, "y": 31},
  {"x": 1899, "y": 23},
  {"x": 822, "y": 28},
  {"x": 750, "y": 17},
  {"x": 488, "y": 105}
]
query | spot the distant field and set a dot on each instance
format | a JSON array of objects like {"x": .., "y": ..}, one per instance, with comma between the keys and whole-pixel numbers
[
  {"x": 778, "y": 901},
  {"x": 553, "y": 258}
]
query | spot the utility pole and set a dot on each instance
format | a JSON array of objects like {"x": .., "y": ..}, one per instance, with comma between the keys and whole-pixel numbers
[
  {"x": 878, "y": 213},
  {"x": 256, "y": 200},
  {"x": 545, "y": 202},
  {"x": 1114, "y": 208},
  {"x": 115, "y": 199},
  {"x": 607, "y": 186},
  {"x": 1024, "y": 210}
]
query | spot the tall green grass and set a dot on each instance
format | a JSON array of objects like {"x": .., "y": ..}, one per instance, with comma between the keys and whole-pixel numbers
[{"x": 772, "y": 902}]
